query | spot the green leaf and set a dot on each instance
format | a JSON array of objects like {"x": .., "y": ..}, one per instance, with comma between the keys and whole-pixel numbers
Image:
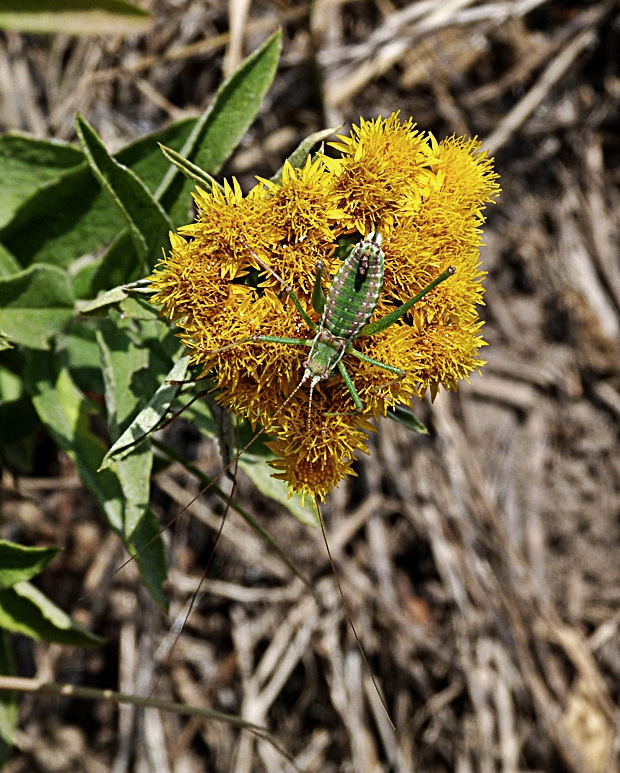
[
  {"x": 148, "y": 547},
  {"x": 82, "y": 272},
  {"x": 26, "y": 163},
  {"x": 11, "y": 387},
  {"x": 18, "y": 563},
  {"x": 220, "y": 128},
  {"x": 35, "y": 304},
  {"x": 261, "y": 476},
  {"x": 5, "y": 342},
  {"x": 8, "y": 700},
  {"x": 148, "y": 418},
  {"x": 101, "y": 305},
  {"x": 24, "y": 609},
  {"x": 191, "y": 171},
  {"x": 134, "y": 473},
  {"x": 143, "y": 156},
  {"x": 148, "y": 223},
  {"x": 8, "y": 262},
  {"x": 119, "y": 265},
  {"x": 407, "y": 418},
  {"x": 72, "y": 216},
  {"x": 74, "y": 17},
  {"x": 299, "y": 156},
  {"x": 130, "y": 299},
  {"x": 81, "y": 350},
  {"x": 66, "y": 413},
  {"x": 132, "y": 373},
  {"x": 63, "y": 219}
]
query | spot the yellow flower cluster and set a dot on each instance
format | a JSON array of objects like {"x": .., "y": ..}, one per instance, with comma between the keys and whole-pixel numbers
[{"x": 426, "y": 199}]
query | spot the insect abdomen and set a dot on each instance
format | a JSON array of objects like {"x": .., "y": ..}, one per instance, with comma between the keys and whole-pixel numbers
[{"x": 355, "y": 289}]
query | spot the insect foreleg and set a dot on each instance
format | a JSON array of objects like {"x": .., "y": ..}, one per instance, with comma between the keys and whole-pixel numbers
[
  {"x": 260, "y": 339},
  {"x": 350, "y": 386},
  {"x": 394, "y": 316},
  {"x": 318, "y": 297}
]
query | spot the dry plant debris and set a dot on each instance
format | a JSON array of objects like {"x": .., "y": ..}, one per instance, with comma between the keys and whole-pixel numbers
[{"x": 481, "y": 563}]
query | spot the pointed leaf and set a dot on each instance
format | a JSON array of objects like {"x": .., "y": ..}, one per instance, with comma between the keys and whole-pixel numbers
[
  {"x": 134, "y": 473},
  {"x": 71, "y": 216},
  {"x": 133, "y": 371},
  {"x": 148, "y": 547},
  {"x": 220, "y": 128},
  {"x": 35, "y": 304},
  {"x": 299, "y": 156},
  {"x": 18, "y": 562},
  {"x": 146, "y": 421},
  {"x": 191, "y": 171},
  {"x": 407, "y": 418},
  {"x": 26, "y": 163},
  {"x": 74, "y": 17},
  {"x": 101, "y": 305},
  {"x": 147, "y": 221},
  {"x": 24, "y": 609}
]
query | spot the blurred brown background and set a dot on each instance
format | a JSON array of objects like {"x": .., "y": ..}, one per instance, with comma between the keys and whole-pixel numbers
[{"x": 481, "y": 563}]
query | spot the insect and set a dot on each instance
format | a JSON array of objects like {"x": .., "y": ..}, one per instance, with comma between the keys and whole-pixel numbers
[{"x": 351, "y": 300}]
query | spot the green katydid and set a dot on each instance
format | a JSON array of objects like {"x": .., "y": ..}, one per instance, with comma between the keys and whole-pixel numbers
[{"x": 351, "y": 300}]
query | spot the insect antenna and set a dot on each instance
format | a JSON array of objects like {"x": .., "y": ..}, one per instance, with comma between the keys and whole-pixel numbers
[
  {"x": 233, "y": 461},
  {"x": 267, "y": 268},
  {"x": 310, "y": 405},
  {"x": 167, "y": 646},
  {"x": 349, "y": 617},
  {"x": 165, "y": 649}
]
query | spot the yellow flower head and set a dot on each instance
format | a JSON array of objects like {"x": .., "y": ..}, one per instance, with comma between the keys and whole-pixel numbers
[{"x": 227, "y": 285}]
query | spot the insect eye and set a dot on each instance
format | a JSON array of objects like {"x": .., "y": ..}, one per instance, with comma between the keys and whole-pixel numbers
[{"x": 305, "y": 363}]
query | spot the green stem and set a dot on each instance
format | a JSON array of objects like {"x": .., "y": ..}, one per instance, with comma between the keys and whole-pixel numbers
[{"x": 20, "y": 684}]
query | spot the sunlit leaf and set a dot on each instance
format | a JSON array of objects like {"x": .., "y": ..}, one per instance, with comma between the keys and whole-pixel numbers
[
  {"x": 150, "y": 416},
  {"x": 148, "y": 223},
  {"x": 24, "y": 609},
  {"x": 35, "y": 304},
  {"x": 300, "y": 155},
  {"x": 18, "y": 563},
  {"x": 77, "y": 17}
]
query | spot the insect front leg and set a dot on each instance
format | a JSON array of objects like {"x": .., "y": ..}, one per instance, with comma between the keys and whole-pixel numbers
[
  {"x": 351, "y": 387},
  {"x": 262, "y": 340}
]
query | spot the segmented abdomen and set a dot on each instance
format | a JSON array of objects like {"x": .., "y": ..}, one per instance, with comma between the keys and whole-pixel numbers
[{"x": 348, "y": 309}]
